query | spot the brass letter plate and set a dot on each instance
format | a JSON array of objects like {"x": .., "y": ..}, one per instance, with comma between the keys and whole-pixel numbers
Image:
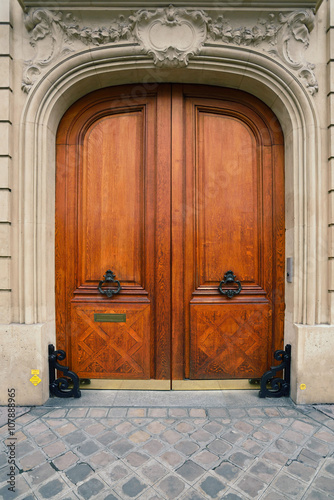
[{"x": 110, "y": 318}]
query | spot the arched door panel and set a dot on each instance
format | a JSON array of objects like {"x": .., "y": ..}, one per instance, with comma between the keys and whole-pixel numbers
[{"x": 169, "y": 190}]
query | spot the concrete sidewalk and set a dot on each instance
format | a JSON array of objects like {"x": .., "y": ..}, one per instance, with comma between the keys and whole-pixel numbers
[{"x": 120, "y": 445}]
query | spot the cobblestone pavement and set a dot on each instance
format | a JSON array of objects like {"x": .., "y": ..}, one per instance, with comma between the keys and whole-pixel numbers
[{"x": 264, "y": 449}]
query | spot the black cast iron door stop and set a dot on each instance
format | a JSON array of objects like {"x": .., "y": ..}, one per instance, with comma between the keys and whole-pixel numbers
[
  {"x": 60, "y": 387},
  {"x": 278, "y": 387}
]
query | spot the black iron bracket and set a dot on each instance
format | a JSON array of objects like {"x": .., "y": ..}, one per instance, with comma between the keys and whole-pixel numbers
[
  {"x": 60, "y": 387},
  {"x": 278, "y": 387}
]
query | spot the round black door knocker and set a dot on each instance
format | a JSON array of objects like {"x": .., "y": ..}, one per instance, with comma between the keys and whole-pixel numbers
[
  {"x": 109, "y": 278},
  {"x": 229, "y": 278}
]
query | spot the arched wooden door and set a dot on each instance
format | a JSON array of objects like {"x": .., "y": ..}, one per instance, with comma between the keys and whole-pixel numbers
[{"x": 170, "y": 187}]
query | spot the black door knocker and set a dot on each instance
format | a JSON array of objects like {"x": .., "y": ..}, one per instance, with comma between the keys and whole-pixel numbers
[
  {"x": 109, "y": 278},
  {"x": 229, "y": 278}
]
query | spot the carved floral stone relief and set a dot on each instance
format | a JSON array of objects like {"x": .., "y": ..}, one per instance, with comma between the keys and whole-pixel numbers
[{"x": 171, "y": 36}]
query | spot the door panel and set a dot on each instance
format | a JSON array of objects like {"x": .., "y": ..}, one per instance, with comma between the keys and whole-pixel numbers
[
  {"x": 109, "y": 216},
  {"x": 169, "y": 190},
  {"x": 229, "y": 340},
  {"x": 231, "y": 202},
  {"x": 117, "y": 349},
  {"x": 227, "y": 199},
  {"x": 111, "y": 199}
]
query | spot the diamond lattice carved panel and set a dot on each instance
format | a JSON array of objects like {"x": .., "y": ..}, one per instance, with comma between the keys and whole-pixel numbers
[
  {"x": 108, "y": 349},
  {"x": 229, "y": 341}
]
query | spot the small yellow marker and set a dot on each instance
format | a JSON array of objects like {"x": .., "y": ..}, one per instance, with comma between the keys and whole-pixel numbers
[
  {"x": 302, "y": 387},
  {"x": 35, "y": 380}
]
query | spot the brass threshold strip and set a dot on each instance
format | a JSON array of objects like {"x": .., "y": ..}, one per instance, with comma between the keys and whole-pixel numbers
[
  {"x": 213, "y": 385},
  {"x": 166, "y": 385},
  {"x": 138, "y": 385}
]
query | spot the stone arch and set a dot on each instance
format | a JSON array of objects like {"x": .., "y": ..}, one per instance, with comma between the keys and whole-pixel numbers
[{"x": 235, "y": 67}]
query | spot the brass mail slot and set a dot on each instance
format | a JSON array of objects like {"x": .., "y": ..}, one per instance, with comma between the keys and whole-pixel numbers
[{"x": 110, "y": 318}]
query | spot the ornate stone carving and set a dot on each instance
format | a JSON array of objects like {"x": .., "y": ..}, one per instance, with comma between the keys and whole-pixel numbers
[
  {"x": 171, "y": 36},
  {"x": 292, "y": 41},
  {"x": 265, "y": 31},
  {"x": 283, "y": 36},
  {"x": 54, "y": 35}
]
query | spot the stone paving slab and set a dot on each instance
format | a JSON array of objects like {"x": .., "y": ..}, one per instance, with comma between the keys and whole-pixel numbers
[
  {"x": 3, "y": 413},
  {"x": 270, "y": 450},
  {"x": 169, "y": 399}
]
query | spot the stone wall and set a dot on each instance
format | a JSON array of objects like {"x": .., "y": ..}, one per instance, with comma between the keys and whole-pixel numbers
[
  {"x": 6, "y": 151},
  {"x": 278, "y": 54},
  {"x": 330, "y": 123}
]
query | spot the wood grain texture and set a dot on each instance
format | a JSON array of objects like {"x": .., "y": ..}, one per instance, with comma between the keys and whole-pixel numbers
[
  {"x": 234, "y": 221},
  {"x": 229, "y": 341},
  {"x": 162, "y": 251},
  {"x": 170, "y": 188},
  {"x": 180, "y": 353},
  {"x": 118, "y": 350},
  {"x": 227, "y": 199},
  {"x": 106, "y": 216},
  {"x": 111, "y": 199}
]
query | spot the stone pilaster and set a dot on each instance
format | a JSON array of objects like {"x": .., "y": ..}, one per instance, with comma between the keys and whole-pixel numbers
[
  {"x": 330, "y": 124},
  {"x": 6, "y": 132}
]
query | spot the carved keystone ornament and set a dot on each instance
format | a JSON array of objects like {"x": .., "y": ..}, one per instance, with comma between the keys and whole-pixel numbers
[{"x": 171, "y": 36}]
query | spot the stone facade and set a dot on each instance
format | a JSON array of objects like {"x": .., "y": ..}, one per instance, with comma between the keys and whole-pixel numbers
[
  {"x": 53, "y": 52},
  {"x": 6, "y": 127}
]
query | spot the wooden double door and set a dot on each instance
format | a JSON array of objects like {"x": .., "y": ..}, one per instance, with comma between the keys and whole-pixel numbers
[{"x": 170, "y": 187}]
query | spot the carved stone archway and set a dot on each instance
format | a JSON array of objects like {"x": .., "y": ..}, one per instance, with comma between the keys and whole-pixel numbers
[{"x": 287, "y": 90}]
